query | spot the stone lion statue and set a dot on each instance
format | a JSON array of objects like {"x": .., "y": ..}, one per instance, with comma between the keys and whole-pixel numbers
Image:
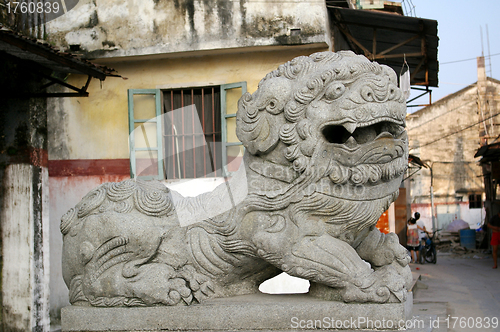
[{"x": 326, "y": 149}]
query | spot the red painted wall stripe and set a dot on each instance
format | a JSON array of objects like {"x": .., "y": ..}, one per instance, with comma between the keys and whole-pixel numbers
[
  {"x": 88, "y": 167},
  {"x": 38, "y": 157}
]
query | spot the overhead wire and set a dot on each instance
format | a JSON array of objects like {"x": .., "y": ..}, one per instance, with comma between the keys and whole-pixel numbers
[
  {"x": 440, "y": 115},
  {"x": 488, "y": 56},
  {"x": 458, "y": 131}
]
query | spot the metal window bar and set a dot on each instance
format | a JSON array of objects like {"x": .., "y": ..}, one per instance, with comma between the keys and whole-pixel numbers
[
  {"x": 183, "y": 138},
  {"x": 203, "y": 128},
  {"x": 202, "y": 163},
  {"x": 194, "y": 140},
  {"x": 174, "y": 156},
  {"x": 214, "y": 145}
]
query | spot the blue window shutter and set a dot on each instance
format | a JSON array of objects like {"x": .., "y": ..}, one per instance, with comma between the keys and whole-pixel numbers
[
  {"x": 224, "y": 116},
  {"x": 158, "y": 149}
]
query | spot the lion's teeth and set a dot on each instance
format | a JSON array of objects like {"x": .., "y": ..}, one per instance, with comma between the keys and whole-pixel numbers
[
  {"x": 349, "y": 126},
  {"x": 351, "y": 142}
]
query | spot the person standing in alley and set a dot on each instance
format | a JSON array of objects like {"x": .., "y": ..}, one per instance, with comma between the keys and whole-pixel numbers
[
  {"x": 412, "y": 241},
  {"x": 422, "y": 235},
  {"x": 494, "y": 225}
]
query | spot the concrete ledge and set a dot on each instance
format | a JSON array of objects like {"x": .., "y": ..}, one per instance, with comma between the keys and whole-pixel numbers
[
  {"x": 248, "y": 312},
  {"x": 416, "y": 277}
]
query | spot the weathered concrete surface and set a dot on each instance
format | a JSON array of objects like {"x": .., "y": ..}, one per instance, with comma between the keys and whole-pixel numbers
[
  {"x": 24, "y": 200},
  {"x": 248, "y": 312},
  {"x": 25, "y": 246},
  {"x": 147, "y": 27},
  {"x": 16, "y": 263}
]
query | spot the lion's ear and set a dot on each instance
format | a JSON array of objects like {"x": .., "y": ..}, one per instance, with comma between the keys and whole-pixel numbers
[
  {"x": 260, "y": 117},
  {"x": 258, "y": 131}
]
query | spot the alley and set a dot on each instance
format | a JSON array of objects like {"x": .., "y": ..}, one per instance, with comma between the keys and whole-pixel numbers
[{"x": 459, "y": 287}]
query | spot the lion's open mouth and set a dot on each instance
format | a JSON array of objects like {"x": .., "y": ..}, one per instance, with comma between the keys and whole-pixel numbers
[
  {"x": 374, "y": 142},
  {"x": 365, "y": 153},
  {"x": 351, "y": 134}
]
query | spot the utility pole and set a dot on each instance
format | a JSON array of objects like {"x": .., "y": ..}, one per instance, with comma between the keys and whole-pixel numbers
[
  {"x": 481, "y": 91},
  {"x": 434, "y": 226}
]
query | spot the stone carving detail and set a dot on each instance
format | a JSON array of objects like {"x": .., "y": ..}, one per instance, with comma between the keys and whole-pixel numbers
[{"x": 326, "y": 149}]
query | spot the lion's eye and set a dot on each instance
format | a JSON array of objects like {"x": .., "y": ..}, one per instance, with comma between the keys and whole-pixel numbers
[{"x": 334, "y": 91}]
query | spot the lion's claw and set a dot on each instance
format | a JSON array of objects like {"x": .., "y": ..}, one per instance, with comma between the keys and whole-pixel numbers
[
  {"x": 383, "y": 285},
  {"x": 200, "y": 285}
]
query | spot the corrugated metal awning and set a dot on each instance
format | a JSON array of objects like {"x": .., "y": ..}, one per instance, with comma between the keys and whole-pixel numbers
[
  {"x": 45, "y": 59},
  {"x": 389, "y": 39},
  {"x": 488, "y": 153}
]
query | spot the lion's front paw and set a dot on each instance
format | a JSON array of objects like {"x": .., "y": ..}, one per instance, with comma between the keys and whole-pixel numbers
[
  {"x": 383, "y": 249},
  {"x": 201, "y": 286},
  {"x": 392, "y": 251},
  {"x": 381, "y": 286},
  {"x": 399, "y": 252},
  {"x": 160, "y": 284}
]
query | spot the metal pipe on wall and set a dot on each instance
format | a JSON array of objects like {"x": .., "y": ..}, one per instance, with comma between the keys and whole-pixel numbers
[{"x": 434, "y": 226}]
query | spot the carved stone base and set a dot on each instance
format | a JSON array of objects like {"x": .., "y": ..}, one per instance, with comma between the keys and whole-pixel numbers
[{"x": 248, "y": 312}]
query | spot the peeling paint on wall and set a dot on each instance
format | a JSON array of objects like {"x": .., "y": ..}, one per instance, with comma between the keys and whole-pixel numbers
[
  {"x": 143, "y": 27},
  {"x": 25, "y": 248}
]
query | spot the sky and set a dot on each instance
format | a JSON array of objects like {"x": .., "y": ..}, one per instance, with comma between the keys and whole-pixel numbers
[{"x": 459, "y": 31}]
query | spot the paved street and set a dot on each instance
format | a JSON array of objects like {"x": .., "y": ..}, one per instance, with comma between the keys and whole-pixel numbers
[{"x": 466, "y": 289}]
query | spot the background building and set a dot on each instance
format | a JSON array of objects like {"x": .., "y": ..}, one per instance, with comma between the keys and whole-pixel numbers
[{"x": 446, "y": 136}]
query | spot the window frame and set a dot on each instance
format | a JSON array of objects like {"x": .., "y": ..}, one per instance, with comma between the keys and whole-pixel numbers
[
  {"x": 159, "y": 130},
  {"x": 476, "y": 202},
  {"x": 224, "y": 116},
  {"x": 133, "y": 121}
]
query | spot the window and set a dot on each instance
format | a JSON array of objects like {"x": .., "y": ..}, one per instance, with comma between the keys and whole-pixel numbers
[
  {"x": 191, "y": 137},
  {"x": 475, "y": 201},
  {"x": 184, "y": 133}
]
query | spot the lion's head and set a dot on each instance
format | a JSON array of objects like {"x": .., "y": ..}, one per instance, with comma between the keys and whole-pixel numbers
[{"x": 337, "y": 113}]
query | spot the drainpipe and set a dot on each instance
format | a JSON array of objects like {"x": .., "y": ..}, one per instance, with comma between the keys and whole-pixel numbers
[{"x": 434, "y": 226}]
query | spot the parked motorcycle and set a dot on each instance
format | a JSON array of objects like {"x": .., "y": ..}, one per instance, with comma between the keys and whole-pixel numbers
[{"x": 428, "y": 251}]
